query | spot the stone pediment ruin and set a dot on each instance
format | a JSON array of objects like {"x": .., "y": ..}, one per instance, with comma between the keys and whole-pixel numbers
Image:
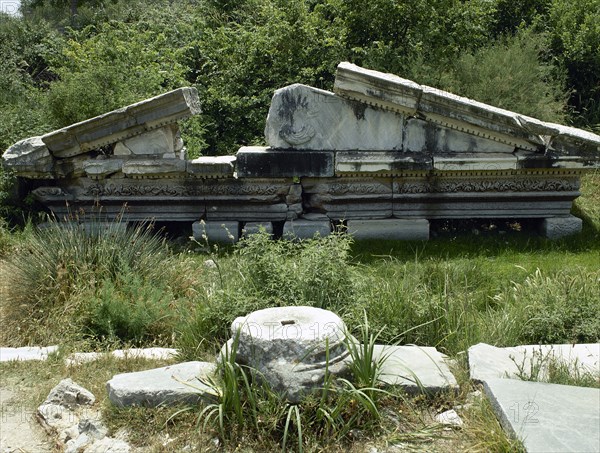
[{"x": 382, "y": 154}]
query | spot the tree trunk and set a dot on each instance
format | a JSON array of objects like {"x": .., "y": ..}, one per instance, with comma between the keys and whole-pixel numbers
[{"x": 73, "y": 7}]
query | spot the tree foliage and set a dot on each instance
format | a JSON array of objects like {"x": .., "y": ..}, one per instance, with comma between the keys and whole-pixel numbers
[{"x": 57, "y": 67}]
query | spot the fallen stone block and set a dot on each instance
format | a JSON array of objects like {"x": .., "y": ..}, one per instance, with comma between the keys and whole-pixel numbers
[
  {"x": 530, "y": 361},
  {"x": 184, "y": 383},
  {"x": 417, "y": 369},
  {"x": 78, "y": 358},
  {"x": 26, "y": 353},
  {"x": 69, "y": 394},
  {"x": 547, "y": 417},
  {"x": 302, "y": 117}
]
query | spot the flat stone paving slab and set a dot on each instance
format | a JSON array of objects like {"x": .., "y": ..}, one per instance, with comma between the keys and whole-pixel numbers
[
  {"x": 175, "y": 384},
  {"x": 547, "y": 418},
  {"x": 26, "y": 353},
  {"x": 489, "y": 362},
  {"x": 415, "y": 368}
]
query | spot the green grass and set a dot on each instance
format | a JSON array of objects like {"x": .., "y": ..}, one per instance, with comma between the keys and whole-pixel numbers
[{"x": 113, "y": 288}]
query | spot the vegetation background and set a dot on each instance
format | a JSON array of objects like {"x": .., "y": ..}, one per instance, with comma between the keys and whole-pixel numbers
[{"x": 63, "y": 61}]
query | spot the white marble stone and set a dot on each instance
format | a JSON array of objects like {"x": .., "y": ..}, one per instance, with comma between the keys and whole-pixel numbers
[
  {"x": 415, "y": 368},
  {"x": 30, "y": 158},
  {"x": 389, "y": 229},
  {"x": 291, "y": 348},
  {"x": 155, "y": 142},
  {"x": 26, "y": 353},
  {"x": 547, "y": 418},
  {"x": 490, "y": 362},
  {"x": 306, "y": 229},
  {"x": 175, "y": 384},
  {"x": 302, "y": 117}
]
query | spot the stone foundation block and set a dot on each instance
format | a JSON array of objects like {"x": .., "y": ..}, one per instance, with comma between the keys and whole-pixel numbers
[
  {"x": 260, "y": 162},
  {"x": 389, "y": 229},
  {"x": 216, "y": 231},
  {"x": 306, "y": 229},
  {"x": 559, "y": 227},
  {"x": 255, "y": 227}
]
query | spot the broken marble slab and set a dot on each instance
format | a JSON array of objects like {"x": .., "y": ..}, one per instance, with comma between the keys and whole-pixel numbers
[
  {"x": 123, "y": 123},
  {"x": 77, "y": 358},
  {"x": 30, "y": 158},
  {"x": 531, "y": 361},
  {"x": 303, "y": 117},
  {"x": 26, "y": 353},
  {"x": 417, "y": 369},
  {"x": 184, "y": 383},
  {"x": 547, "y": 418},
  {"x": 462, "y": 114},
  {"x": 261, "y": 162},
  {"x": 156, "y": 142}
]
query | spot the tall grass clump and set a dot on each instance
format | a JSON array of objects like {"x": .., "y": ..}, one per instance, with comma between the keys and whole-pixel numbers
[
  {"x": 556, "y": 308},
  {"x": 99, "y": 281}
]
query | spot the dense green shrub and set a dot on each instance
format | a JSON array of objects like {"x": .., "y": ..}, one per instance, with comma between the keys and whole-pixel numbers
[{"x": 109, "y": 282}]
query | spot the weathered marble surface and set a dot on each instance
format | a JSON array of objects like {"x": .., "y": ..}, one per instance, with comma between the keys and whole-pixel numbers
[
  {"x": 490, "y": 362},
  {"x": 302, "y": 117},
  {"x": 291, "y": 348},
  {"x": 184, "y": 383},
  {"x": 547, "y": 418},
  {"x": 123, "y": 123},
  {"x": 477, "y": 119},
  {"x": 30, "y": 158}
]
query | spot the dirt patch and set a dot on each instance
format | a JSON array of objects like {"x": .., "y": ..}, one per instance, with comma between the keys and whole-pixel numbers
[{"x": 19, "y": 430}]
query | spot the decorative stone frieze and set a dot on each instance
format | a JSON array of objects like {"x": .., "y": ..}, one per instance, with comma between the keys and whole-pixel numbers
[{"x": 378, "y": 151}]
